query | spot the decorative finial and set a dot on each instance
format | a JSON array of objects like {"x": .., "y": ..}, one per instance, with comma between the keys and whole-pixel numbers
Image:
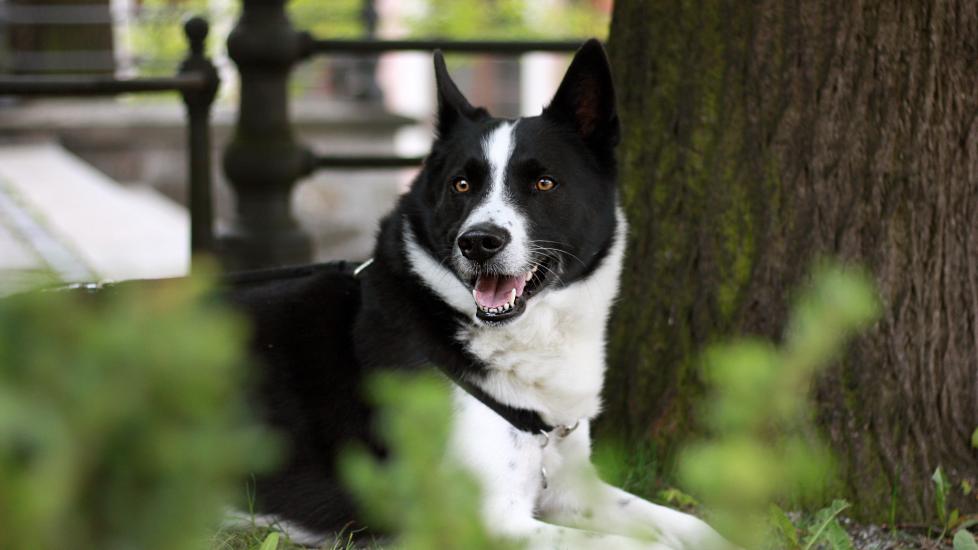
[{"x": 196, "y": 29}]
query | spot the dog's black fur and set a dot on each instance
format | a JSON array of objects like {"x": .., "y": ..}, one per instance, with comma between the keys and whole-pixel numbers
[{"x": 319, "y": 331}]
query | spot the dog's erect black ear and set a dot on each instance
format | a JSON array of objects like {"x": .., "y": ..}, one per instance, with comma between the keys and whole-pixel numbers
[
  {"x": 452, "y": 105},
  {"x": 586, "y": 96}
]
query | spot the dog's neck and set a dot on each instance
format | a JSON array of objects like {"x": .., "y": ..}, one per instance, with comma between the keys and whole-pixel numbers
[{"x": 552, "y": 358}]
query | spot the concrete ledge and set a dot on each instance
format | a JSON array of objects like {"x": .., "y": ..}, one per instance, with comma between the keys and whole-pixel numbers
[{"x": 117, "y": 232}]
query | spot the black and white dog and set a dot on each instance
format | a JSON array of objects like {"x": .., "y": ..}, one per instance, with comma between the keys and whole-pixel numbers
[{"x": 500, "y": 266}]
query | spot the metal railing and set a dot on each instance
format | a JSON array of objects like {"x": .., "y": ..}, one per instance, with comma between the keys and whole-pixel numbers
[
  {"x": 264, "y": 161},
  {"x": 496, "y": 47},
  {"x": 196, "y": 81}
]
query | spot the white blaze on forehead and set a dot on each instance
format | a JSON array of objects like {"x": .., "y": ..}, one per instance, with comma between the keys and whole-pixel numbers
[
  {"x": 497, "y": 206},
  {"x": 498, "y": 148}
]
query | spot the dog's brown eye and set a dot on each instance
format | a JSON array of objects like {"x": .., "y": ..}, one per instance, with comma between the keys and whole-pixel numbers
[
  {"x": 461, "y": 185},
  {"x": 545, "y": 184}
]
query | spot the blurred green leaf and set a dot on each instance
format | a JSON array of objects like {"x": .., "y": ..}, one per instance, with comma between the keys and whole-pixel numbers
[
  {"x": 836, "y": 537},
  {"x": 826, "y": 528},
  {"x": 676, "y": 497},
  {"x": 784, "y": 526},
  {"x": 963, "y": 540},
  {"x": 270, "y": 542},
  {"x": 941, "y": 488}
]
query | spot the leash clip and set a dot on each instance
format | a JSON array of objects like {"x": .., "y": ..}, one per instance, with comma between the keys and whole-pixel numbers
[
  {"x": 561, "y": 431},
  {"x": 564, "y": 431},
  {"x": 543, "y": 469}
]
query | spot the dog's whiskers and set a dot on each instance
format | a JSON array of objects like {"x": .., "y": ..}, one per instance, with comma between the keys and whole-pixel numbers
[{"x": 534, "y": 246}]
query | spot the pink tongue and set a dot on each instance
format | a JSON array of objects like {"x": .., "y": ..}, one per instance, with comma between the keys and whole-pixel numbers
[{"x": 494, "y": 290}]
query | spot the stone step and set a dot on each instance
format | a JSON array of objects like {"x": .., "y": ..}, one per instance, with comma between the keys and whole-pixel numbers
[{"x": 62, "y": 214}]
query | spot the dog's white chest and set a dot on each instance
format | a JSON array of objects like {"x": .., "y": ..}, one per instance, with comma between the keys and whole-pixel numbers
[{"x": 550, "y": 361}]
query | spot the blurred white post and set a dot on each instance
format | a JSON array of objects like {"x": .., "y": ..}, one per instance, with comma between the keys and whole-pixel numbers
[{"x": 540, "y": 74}]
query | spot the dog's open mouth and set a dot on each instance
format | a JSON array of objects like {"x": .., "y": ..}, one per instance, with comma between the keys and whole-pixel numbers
[{"x": 501, "y": 297}]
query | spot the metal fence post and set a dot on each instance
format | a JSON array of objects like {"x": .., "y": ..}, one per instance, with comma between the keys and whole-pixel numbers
[
  {"x": 198, "y": 103},
  {"x": 263, "y": 160}
]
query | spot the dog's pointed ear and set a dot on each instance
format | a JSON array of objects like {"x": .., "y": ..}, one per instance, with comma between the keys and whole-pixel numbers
[
  {"x": 586, "y": 97},
  {"x": 452, "y": 105}
]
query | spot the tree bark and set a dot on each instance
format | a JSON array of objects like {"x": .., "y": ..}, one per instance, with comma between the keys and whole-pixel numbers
[{"x": 759, "y": 136}]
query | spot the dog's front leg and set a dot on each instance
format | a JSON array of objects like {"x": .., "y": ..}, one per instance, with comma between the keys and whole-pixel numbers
[
  {"x": 536, "y": 534},
  {"x": 507, "y": 465},
  {"x": 576, "y": 497},
  {"x": 612, "y": 510}
]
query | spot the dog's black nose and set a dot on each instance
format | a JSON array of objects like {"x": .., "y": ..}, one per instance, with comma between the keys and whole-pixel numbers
[{"x": 483, "y": 241}]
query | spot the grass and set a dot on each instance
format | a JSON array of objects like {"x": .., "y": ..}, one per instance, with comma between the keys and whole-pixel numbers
[{"x": 264, "y": 538}]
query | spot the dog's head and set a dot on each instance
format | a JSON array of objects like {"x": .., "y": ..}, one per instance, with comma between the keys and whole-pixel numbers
[{"x": 512, "y": 208}]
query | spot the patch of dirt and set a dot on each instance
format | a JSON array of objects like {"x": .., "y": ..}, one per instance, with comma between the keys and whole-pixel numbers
[{"x": 875, "y": 537}]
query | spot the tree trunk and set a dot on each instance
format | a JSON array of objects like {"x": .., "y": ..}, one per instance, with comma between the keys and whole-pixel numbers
[{"x": 760, "y": 136}]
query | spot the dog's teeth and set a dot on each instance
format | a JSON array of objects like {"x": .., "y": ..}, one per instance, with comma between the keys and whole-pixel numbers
[
  {"x": 512, "y": 298},
  {"x": 475, "y": 297},
  {"x": 534, "y": 269},
  {"x": 529, "y": 275}
]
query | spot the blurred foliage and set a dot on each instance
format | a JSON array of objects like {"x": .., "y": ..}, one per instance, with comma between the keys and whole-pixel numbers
[
  {"x": 156, "y": 37},
  {"x": 122, "y": 423},
  {"x": 763, "y": 445},
  {"x": 335, "y": 19},
  {"x": 158, "y": 44},
  {"x": 428, "y": 501},
  {"x": 484, "y": 19}
]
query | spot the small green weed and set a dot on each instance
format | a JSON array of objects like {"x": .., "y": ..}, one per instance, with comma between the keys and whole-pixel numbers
[
  {"x": 821, "y": 529},
  {"x": 941, "y": 488}
]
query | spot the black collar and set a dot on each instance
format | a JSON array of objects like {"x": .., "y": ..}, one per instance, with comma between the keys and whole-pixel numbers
[{"x": 524, "y": 420}]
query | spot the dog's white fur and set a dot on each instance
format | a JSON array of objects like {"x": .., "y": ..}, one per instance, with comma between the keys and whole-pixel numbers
[{"x": 550, "y": 359}]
